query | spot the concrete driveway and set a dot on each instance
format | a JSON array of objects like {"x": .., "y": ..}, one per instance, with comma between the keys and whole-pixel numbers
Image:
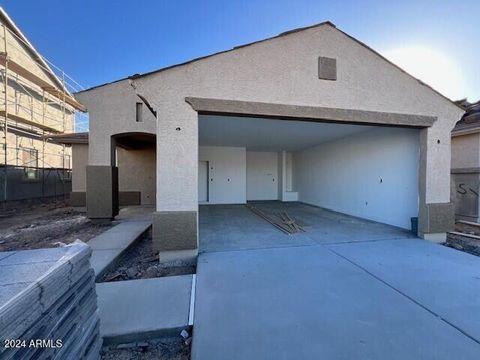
[{"x": 384, "y": 299}]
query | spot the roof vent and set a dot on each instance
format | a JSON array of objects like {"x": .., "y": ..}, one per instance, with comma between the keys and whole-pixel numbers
[{"x": 327, "y": 68}]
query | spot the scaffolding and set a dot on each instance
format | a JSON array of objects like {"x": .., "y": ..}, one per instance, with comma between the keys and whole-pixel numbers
[{"x": 36, "y": 104}]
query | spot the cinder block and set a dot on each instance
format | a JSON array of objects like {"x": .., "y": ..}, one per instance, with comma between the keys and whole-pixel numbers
[{"x": 49, "y": 294}]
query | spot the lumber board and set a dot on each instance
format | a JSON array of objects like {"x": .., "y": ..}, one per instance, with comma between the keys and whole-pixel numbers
[
  {"x": 465, "y": 222},
  {"x": 465, "y": 235},
  {"x": 282, "y": 220},
  {"x": 269, "y": 219}
]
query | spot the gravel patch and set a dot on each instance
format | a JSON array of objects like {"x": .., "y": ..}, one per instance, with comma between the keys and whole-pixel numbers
[
  {"x": 141, "y": 262},
  {"x": 168, "y": 348}
]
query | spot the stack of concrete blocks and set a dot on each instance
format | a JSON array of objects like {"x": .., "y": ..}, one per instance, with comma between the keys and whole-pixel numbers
[{"x": 49, "y": 295}]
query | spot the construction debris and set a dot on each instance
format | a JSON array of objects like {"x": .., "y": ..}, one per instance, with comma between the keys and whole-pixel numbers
[
  {"x": 281, "y": 221},
  {"x": 49, "y": 294},
  {"x": 140, "y": 261},
  {"x": 172, "y": 347},
  {"x": 466, "y": 237}
]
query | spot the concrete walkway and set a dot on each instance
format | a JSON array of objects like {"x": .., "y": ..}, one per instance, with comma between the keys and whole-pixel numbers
[
  {"x": 391, "y": 299},
  {"x": 109, "y": 245},
  {"x": 138, "y": 309}
]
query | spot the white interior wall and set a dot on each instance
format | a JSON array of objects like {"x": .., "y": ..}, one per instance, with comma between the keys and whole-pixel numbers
[
  {"x": 281, "y": 175},
  {"x": 285, "y": 175},
  {"x": 373, "y": 175},
  {"x": 262, "y": 175},
  {"x": 288, "y": 172},
  {"x": 227, "y": 173}
]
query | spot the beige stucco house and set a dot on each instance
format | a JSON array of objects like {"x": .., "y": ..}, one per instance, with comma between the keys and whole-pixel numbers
[
  {"x": 311, "y": 115},
  {"x": 466, "y": 163}
]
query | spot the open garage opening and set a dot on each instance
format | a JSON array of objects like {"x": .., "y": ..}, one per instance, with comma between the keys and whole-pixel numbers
[{"x": 365, "y": 171}]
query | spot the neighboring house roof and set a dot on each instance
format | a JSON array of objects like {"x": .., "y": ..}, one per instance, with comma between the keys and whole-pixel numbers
[
  {"x": 325, "y": 23},
  {"x": 470, "y": 121},
  {"x": 7, "y": 21},
  {"x": 68, "y": 139}
]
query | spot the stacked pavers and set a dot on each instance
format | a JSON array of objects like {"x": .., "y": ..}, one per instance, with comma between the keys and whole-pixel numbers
[{"x": 48, "y": 304}]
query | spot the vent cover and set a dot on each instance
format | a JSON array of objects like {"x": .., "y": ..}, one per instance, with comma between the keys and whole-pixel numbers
[{"x": 327, "y": 68}]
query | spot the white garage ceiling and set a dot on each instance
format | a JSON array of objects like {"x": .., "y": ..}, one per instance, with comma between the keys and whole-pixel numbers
[{"x": 268, "y": 134}]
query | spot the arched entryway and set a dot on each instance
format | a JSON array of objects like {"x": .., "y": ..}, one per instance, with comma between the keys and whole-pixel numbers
[{"x": 135, "y": 157}]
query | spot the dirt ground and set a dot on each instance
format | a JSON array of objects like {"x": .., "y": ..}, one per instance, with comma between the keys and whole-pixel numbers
[
  {"x": 141, "y": 262},
  {"x": 45, "y": 225},
  {"x": 171, "y": 348}
]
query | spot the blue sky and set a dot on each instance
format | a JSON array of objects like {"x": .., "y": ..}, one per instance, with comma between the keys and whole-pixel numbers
[{"x": 97, "y": 41}]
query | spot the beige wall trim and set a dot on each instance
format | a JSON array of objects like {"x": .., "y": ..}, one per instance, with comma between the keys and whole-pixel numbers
[
  {"x": 436, "y": 218},
  {"x": 102, "y": 192},
  {"x": 78, "y": 199},
  {"x": 470, "y": 170},
  {"x": 307, "y": 113},
  {"x": 126, "y": 198},
  {"x": 174, "y": 230}
]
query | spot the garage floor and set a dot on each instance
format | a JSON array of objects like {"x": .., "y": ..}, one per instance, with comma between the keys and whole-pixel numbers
[
  {"x": 337, "y": 295},
  {"x": 235, "y": 227}
]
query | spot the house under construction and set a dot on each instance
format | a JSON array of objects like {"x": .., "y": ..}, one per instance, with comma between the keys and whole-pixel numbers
[{"x": 35, "y": 104}]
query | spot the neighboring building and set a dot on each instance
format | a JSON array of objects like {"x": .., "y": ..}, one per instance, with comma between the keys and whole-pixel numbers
[
  {"x": 34, "y": 104},
  {"x": 466, "y": 163},
  {"x": 311, "y": 115}
]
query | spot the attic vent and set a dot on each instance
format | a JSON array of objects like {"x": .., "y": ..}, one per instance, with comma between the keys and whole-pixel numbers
[
  {"x": 139, "y": 112},
  {"x": 327, "y": 68}
]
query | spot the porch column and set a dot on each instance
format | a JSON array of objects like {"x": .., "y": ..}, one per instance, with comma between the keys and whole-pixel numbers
[
  {"x": 102, "y": 179},
  {"x": 436, "y": 211},
  {"x": 175, "y": 223}
]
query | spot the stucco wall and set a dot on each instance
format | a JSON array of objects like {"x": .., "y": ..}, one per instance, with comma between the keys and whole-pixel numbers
[
  {"x": 262, "y": 175},
  {"x": 50, "y": 155},
  {"x": 284, "y": 70},
  {"x": 111, "y": 111},
  {"x": 136, "y": 172},
  {"x": 280, "y": 70},
  {"x": 466, "y": 151},
  {"x": 373, "y": 174},
  {"x": 18, "y": 52},
  {"x": 227, "y": 173},
  {"x": 79, "y": 167}
]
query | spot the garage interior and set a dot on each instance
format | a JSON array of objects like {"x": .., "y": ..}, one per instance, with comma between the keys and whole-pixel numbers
[{"x": 336, "y": 181}]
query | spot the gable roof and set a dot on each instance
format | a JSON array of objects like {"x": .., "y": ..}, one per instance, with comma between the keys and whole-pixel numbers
[
  {"x": 15, "y": 30},
  {"x": 286, "y": 33}
]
